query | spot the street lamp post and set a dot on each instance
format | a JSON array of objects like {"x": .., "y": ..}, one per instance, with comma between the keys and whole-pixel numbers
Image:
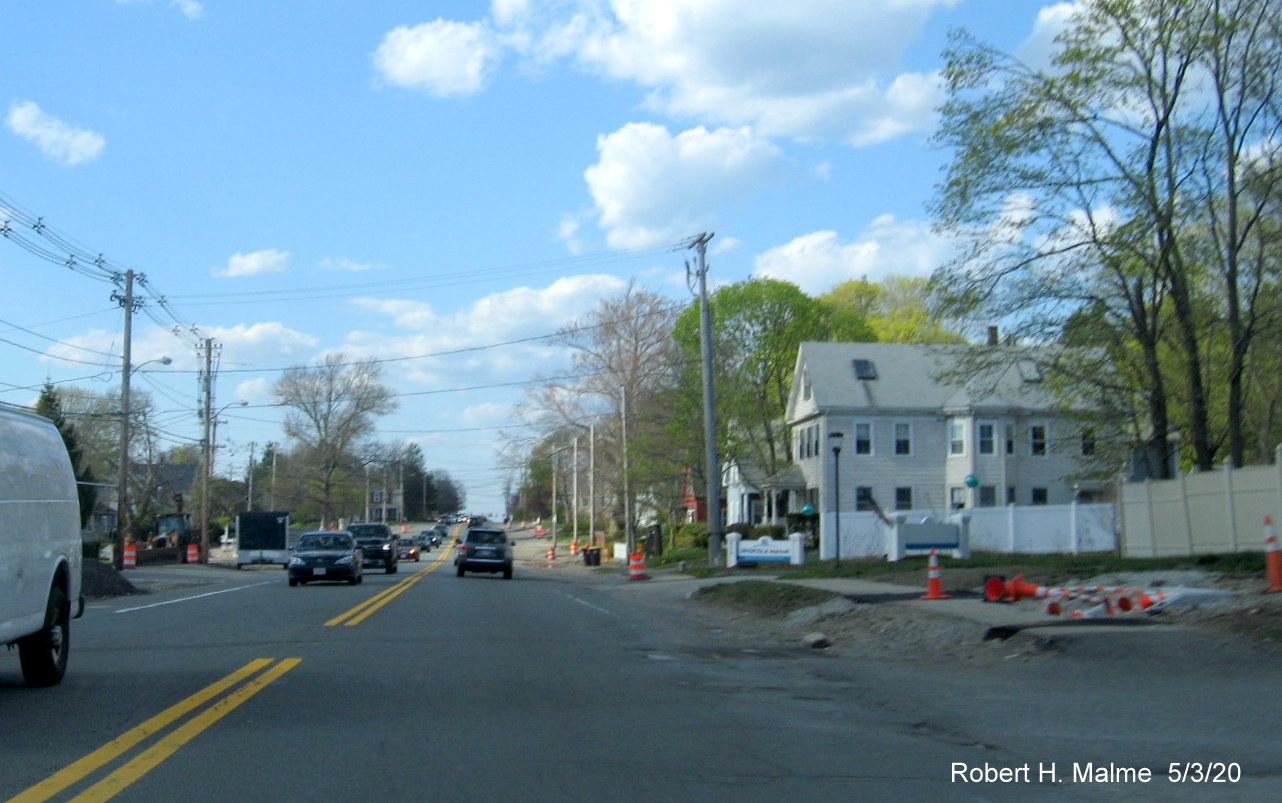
[
  {"x": 122, "y": 489},
  {"x": 835, "y": 439}
]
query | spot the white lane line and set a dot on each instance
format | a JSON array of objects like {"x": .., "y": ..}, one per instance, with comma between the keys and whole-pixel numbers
[
  {"x": 590, "y": 605},
  {"x": 186, "y": 599}
]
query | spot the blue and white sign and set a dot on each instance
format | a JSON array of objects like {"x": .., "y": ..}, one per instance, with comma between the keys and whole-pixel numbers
[{"x": 765, "y": 550}]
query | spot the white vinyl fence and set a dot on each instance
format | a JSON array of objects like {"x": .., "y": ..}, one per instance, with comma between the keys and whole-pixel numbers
[
  {"x": 1037, "y": 529},
  {"x": 1210, "y": 512}
]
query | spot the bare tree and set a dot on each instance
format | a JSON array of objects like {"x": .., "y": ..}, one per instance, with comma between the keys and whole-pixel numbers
[{"x": 331, "y": 408}]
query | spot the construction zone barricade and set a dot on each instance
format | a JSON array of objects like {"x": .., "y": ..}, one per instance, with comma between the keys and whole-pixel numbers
[
  {"x": 1272, "y": 557},
  {"x": 193, "y": 553},
  {"x": 636, "y": 566},
  {"x": 130, "y": 557}
]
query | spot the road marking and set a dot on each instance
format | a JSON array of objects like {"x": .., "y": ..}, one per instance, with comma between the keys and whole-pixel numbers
[
  {"x": 80, "y": 769},
  {"x": 188, "y": 599},
  {"x": 590, "y": 605},
  {"x": 358, "y": 614}
]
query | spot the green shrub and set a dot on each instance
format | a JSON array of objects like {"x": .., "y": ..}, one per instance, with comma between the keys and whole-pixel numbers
[{"x": 693, "y": 535}]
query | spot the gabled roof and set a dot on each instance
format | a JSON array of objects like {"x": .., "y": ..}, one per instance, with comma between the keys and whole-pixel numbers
[{"x": 908, "y": 379}]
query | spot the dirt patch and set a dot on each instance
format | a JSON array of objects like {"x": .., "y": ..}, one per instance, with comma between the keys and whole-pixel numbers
[{"x": 101, "y": 580}]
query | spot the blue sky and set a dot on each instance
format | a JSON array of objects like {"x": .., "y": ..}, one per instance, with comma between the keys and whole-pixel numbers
[{"x": 401, "y": 180}]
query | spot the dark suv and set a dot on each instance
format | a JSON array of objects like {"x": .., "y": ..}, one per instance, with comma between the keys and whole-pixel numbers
[
  {"x": 484, "y": 550},
  {"x": 377, "y": 544}
]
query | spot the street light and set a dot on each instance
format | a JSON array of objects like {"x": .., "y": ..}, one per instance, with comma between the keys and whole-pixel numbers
[
  {"x": 208, "y": 475},
  {"x": 835, "y": 439},
  {"x": 122, "y": 489}
]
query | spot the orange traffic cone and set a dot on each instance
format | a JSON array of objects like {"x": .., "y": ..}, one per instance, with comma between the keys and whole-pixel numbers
[
  {"x": 934, "y": 589},
  {"x": 551, "y": 555},
  {"x": 193, "y": 553},
  {"x": 1272, "y": 557},
  {"x": 574, "y": 548}
]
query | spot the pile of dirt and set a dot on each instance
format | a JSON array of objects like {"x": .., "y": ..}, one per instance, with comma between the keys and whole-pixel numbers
[{"x": 101, "y": 580}]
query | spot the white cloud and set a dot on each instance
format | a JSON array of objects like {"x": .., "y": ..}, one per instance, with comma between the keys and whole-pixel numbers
[
  {"x": 441, "y": 58},
  {"x": 1038, "y": 48},
  {"x": 56, "y": 139},
  {"x": 454, "y": 340},
  {"x": 349, "y": 265},
  {"x": 268, "y": 261},
  {"x": 803, "y": 69},
  {"x": 818, "y": 261},
  {"x": 650, "y": 187}
]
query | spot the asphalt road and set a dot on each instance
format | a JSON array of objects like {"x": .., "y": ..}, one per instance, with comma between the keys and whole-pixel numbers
[{"x": 571, "y": 686}]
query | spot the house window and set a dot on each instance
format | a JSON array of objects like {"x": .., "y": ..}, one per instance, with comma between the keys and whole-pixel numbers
[
  {"x": 1010, "y": 439},
  {"x": 1039, "y": 496},
  {"x": 957, "y": 497},
  {"x": 863, "y": 438},
  {"x": 1037, "y": 440},
  {"x": 805, "y": 389},
  {"x": 1088, "y": 442},
  {"x": 988, "y": 496},
  {"x": 864, "y": 369},
  {"x": 956, "y": 437},
  {"x": 903, "y": 439},
  {"x": 863, "y": 498},
  {"x": 1010, "y": 494},
  {"x": 904, "y": 498},
  {"x": 987, "y": 437}
]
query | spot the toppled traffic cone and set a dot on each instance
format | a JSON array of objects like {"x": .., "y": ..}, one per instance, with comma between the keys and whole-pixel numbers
[{"x": 934, "y": 588}]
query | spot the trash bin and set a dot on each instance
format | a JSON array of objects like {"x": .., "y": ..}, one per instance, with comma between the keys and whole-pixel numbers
[{"x": 592, "y": 556}]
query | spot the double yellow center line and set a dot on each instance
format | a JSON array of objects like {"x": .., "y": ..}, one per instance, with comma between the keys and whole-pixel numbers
[
  {"x": 163, "y": 748},
  {"x": 358, "y": 614}
]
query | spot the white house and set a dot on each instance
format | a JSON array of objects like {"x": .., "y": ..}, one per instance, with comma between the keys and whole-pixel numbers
[{"x": 912, "y": 442}]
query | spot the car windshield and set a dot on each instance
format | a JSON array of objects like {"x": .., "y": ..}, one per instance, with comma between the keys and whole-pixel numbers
[
  {"x": 406, "y": 542},
  {"x": 487, "y": 538},
  {"x": 313, "y": 542}
]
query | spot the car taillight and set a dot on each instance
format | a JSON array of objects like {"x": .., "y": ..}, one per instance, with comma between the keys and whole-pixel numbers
[{"x": 462, "y": 547}]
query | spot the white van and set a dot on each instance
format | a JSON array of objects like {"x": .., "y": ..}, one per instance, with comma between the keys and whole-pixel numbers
[{"x": 39, "y": 544}]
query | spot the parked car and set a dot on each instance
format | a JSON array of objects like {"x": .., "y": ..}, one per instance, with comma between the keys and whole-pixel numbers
[
  {"x": 377, "y": 543},
  {"x": 484, "y": 550},
  {"x": 407, "y": 549},
  {"x": 326, "y": 555}
]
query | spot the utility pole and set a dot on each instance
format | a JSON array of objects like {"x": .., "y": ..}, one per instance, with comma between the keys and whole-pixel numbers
[
  {"x": 249, "y": 481},
  {"x": 711, "y": 469},
  {"x": 574, "y": 494},
  {"x": 207, "y": 390},
  {"x": 122, "y": 490},
  {"x": 628, "y": 533}
]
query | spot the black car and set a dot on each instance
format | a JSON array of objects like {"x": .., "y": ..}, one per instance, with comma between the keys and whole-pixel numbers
[
  {"x": 326, "y": 555},
  {"x": 377, "y": 543},
  {"x": 484, "y": 550}
]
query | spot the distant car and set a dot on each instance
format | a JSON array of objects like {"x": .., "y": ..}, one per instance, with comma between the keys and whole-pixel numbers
[
  {"x": 407, "y": 549},
  {"x": 484, "y": 550},
  {"x": 377, "y": 543},
  {"x": 434, "y": 539},
  {"x": 424, "y": 541},
  {"x": 326, "y": 555}
]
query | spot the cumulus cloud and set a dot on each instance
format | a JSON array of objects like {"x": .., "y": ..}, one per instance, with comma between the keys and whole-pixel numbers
[
  {"x": 441, "y": 58},
  {"x": 804, "y": 69},
  {"x": 650, "y": 187},
  {"x": 59, "y": 141},
  {"x": 818, "y": 261},
  {"x": 268, "y": 261}
]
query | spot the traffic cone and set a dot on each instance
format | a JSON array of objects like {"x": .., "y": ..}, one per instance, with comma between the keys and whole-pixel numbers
[
  {"x": 130, "y": 559},
  {"x": 1272, "y": 557},
  {"x": 193, "y": 553},
  {"x": 551, "y": 555},
  {"x": 574, "y": 548},
  {"x": 636, "y": 566},
  {"x": 934, "y": 589}
]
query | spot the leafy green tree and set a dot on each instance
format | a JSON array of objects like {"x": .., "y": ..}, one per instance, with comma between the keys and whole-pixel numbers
[
  {"x": 50, "y": 406},
  {"x": 1128, "y": 185},
  {"x": 900, "y": 309},
  {"x": 758, "y": 325}
]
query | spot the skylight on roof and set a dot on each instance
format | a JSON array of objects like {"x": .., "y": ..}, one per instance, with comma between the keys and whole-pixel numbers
[{"x": 864, "y": 369}]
